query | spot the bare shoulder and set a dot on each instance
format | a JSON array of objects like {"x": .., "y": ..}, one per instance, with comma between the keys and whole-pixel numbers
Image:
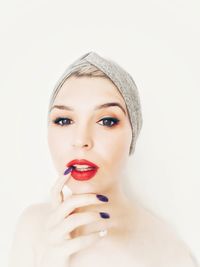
[
  {"x": 161, "y": 242},
  {"x": 31, "y": 219},
  {"x": 27, "y": 229},
  {"x": 36, "y": 209},
  {"x": 34, "y": 212}
]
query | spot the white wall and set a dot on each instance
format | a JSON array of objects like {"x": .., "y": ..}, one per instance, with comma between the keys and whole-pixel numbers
[{"x": 158, "y": 42}]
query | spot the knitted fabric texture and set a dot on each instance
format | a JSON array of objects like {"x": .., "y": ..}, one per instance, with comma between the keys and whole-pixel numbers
[{"x": 122, "y": 80}]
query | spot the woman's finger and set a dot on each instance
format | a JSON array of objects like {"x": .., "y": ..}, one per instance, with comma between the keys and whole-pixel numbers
[
  {"x": 68, "y": 206},
  {"x": 76, "y": 244},
  {"x": 56, "y": 193},
  {"x": 63, "y": 230}
]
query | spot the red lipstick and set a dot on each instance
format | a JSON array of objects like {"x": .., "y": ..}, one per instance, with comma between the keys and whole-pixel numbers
[{"x": 82, "y": 173}]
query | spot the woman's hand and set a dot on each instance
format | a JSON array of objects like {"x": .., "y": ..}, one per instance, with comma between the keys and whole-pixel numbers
[{"x": 57, "y": 245}]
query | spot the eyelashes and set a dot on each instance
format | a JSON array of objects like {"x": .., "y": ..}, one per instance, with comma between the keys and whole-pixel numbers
[
  {"x": 66, "y": 121},
  {"x": 110, "y": 119},
  {"x": 57, "y": 120}
]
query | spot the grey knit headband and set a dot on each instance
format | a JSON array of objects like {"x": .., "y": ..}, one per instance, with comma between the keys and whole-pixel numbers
[{"x": 123, "y": 81}]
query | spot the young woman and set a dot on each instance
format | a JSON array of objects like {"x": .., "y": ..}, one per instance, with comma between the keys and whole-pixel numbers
[{"x": 94, "y": 120}]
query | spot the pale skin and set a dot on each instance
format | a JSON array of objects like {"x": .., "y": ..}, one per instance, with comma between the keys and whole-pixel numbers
[{"x": 135, "y": 237}]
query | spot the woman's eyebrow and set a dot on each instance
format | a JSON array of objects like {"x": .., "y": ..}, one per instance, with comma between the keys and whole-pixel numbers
[{"x": 106, "y": 105}]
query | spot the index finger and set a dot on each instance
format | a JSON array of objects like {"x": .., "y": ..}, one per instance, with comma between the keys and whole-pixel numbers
[{"x": 56, "y": 193}]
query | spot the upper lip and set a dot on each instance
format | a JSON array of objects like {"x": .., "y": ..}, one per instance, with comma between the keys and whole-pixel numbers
[{"x": 81, "y": 162}]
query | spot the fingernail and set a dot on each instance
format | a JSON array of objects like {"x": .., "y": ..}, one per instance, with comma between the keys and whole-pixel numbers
[
  {"x": 68, "y": 170},
  {"x": 102, "y": 198},
  {"x": 103, "y": 232},
  {"x": 104, "y": 215}
]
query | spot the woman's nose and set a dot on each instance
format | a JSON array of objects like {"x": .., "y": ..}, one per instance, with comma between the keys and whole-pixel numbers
[
  {"x": 82, "y": 140},
  {"x": 82, "y": 145}
]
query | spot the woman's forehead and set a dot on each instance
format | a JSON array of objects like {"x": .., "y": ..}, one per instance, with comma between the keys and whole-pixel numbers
[{"x": 95, "y": 90}]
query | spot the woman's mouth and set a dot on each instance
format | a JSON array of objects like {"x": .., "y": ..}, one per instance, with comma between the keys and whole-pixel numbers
[
  {"x": 82, "y": 175},
  {"x": 82, "y": 169}
]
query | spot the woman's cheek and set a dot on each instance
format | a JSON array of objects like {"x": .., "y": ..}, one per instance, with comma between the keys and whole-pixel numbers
[
  {"x": 56, "y": 148},
  {"x": 114, "y": 153}
]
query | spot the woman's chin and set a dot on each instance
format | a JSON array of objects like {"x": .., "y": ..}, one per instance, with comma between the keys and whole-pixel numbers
[
  {"x": 80, "y": 187},
  {"x": 85, "y": 187}
]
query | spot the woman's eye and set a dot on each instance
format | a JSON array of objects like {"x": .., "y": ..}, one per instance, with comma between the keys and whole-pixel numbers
[
  {"x": 110, "y": 122},
  {"x": 64, "y": 121}
]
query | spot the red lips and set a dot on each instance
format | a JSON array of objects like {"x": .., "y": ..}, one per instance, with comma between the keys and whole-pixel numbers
[
  {"x": 82, "y": 162},
  {"x": 83, "y": 175}
]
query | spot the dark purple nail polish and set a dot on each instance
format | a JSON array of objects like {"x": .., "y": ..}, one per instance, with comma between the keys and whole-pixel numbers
[
  {"x": 68, "y": 170},
  {"x": 104, "y": 215},
  {"x": 102, "y": 198}
]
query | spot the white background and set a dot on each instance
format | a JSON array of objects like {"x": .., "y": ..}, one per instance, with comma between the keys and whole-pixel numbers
[{"x": 158, "y": 43}]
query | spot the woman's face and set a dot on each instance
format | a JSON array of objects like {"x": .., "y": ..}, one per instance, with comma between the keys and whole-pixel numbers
[{"x": 90, "y": 132}]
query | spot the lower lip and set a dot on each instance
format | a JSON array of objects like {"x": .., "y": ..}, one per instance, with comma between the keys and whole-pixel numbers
[{"x": 84, "y": 175}]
